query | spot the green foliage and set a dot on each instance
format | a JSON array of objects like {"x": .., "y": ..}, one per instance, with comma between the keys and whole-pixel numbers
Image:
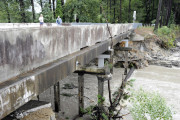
[
  {"x": 13, "y": 9},
  {"x": 109, "y": 65},
  {"x": 86, "y": 10},
  {"x": 167, "y": 35},
  {"x": 171, "y": 19},
  {"x": 59, "y": 9},
  {"x": 100, "y": 99},
  {"x": 67, "y": 94},
  {"x": 153, "y": 21},
  {"x": 105, "y": 117},
  {"x": 146, "y": 105},
  {"x": 130, "y": 82},
  {"x": 47, "y": 13}
]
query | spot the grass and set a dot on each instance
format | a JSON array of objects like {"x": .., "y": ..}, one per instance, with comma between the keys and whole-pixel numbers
[
  {"x": 166, "y": 35},
  {"x": 149, "y": 106}
]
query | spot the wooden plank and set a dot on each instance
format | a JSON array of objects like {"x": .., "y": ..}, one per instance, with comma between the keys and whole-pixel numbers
[
  {"x": 91, "y": 70},
  {"x": 123, "y": 48}
]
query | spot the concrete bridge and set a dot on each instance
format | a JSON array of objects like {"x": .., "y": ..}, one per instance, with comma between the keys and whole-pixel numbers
[{"x": 32, "y": 59}]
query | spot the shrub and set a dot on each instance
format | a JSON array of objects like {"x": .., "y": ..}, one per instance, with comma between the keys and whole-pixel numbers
[
  {"x": 149, "y": 106},
  {"x": 167, "y": 35}
]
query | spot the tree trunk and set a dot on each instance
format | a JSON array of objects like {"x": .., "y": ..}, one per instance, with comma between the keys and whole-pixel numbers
[
  {"x": 101, "y": 14},
  {"x": 54, "y": 13},
  {"x": 169, "y": 12},
  {"x": 158, "y": 15},
  {"x": 62, "y": 4},
  {"x": 7, "y": 11},
  {"x": 50, "y": 5},
  {"x": 23, "y": 19},
  {"x": 149, "y": 11},
  {"x": 166, "y": 11},
  {"x": 114, "y": 19},
  {"x": 176, "y": 8},
  {"x": 41, "y": 4},
  {"x": 110, "y": 11},
  {"x": 152, "y": 17},
  {"x": 33, "y": 12},
  {"x": 162, "y": 14},
  {"x": 129, "y": 14},
  {"x": 120, "y": 14}
]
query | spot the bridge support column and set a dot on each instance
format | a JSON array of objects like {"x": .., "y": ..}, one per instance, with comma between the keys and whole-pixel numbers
[
  {"x": 100, "y": 95},
  {"x": 126, "y": 49},
  {"x": 111, "y": 58},
  {"x": 81, "y": 92},
  {"x": 126, "y": 62},
  {"x": 102, "y": 75},
  {"x": 57, "y": 97},
  {"x": 100, "y": 91}
]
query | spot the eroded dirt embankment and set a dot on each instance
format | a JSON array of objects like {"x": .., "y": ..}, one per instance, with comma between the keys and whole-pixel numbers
[{"x": 150, "y": 51}]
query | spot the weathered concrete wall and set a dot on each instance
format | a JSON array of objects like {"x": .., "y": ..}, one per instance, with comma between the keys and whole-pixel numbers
[{"x": 24, "y": 49}]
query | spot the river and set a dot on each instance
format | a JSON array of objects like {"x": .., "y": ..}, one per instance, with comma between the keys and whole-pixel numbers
[{"x": 165, "y": 81}]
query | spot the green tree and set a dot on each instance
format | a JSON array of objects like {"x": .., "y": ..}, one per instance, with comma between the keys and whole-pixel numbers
[
  {"x": 47, "y": 13},
  {"x": 86, "y": 10},
  {"x": 59, "y": 9}
]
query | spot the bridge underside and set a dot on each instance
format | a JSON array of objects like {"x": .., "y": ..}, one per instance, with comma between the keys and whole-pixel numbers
[{"x": 19, "y": 90}]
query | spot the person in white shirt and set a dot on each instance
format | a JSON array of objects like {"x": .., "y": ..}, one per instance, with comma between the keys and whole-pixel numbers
[
  {"x": 59, "y": 21},
  {"x": 41, "y": 20}
]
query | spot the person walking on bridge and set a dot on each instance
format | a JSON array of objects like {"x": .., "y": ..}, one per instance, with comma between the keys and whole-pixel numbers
[
  {"x": 41, "y": 20},
  {"x": 59, "y": 21}
]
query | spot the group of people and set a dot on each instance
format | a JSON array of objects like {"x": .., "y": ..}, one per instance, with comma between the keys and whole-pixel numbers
[{"x": 41, "y": 20}]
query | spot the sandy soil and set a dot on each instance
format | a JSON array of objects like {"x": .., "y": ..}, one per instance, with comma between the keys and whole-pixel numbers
[{"x": 42, "y": 114}]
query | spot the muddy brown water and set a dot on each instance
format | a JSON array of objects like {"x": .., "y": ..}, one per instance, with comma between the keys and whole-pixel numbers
[{"x": 163, "y": 80}]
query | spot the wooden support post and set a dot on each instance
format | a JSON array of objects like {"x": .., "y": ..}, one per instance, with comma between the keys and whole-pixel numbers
[
  {"x": 100, "y": 90},
  {"x": 126, "y": 62},
  {"x": 111, "y": 61},
  {"x": 100, "y": 95},
  {"x": 57, "y": 97},
  {"x": 38, "y": 98},
  {"x": 81, "y": 92}
]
